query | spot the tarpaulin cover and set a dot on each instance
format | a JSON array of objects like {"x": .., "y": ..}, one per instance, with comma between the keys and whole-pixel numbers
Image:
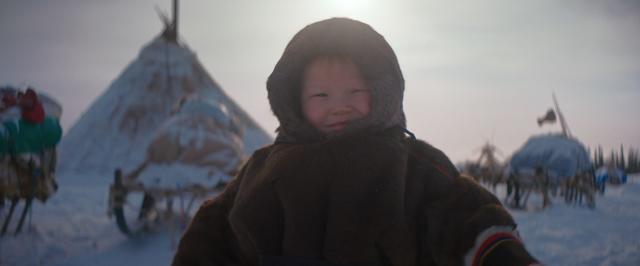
[
  {"x": 559, "y": 156},
  {"x": 26, "y": 137}
]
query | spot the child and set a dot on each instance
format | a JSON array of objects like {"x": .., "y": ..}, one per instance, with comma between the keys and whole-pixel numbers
[{"x": 345, "y": 183}]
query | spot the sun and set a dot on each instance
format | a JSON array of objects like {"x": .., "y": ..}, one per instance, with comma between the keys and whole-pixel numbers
[{"x": 350, "y": 5}]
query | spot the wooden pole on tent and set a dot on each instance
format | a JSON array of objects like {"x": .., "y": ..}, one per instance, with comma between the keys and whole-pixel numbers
[
  {"x": 175, "y": 19},
  {"x": 563, "y": 123}
]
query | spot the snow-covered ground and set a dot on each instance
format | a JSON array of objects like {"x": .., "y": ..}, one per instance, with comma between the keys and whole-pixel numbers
[
  {"x": 607, "y": 235},
  {"x": 73, "y": 229}
]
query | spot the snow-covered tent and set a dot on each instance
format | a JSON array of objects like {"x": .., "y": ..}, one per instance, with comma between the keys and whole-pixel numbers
[
  {"x": 198, "y": 144},
  {"x": 560, "y": 156},
  {"x": 118, "y": 127}
]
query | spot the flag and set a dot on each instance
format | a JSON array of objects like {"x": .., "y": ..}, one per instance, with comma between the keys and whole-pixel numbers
[{"x": 549, "y": 117}]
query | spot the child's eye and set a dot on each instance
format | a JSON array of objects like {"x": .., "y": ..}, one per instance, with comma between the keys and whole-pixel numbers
[{"x": 358, "y": 91}]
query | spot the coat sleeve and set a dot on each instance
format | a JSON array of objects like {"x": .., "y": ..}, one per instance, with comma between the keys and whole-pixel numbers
[
  {"x": 464, "y": 223},
  {"x": 209, "y": 239}
]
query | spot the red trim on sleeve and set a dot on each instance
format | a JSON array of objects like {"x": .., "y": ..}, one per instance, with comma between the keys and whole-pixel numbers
[{"x": 489, "y": 244}]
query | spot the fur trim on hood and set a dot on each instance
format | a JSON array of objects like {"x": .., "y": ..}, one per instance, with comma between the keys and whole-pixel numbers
[{"x": 337, "y": 37}]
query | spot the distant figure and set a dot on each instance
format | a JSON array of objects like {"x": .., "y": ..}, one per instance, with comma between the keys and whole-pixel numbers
[
  {"x": 10, "y": 112},
  {"x": 513, "y": 187},
  {"x": 8, "y": 100},
  {"x": 541, "y": 180},
  {"x": 9, "y": 109}
]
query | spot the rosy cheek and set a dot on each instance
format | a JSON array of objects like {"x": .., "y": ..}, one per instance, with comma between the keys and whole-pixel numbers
[
  {"x": 312, "y": 111},
  {"x": 364, "y": 103}
]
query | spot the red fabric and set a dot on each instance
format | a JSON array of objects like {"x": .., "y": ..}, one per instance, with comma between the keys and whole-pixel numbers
[
  {"x": 32, "y": 110},
  {"x": 489, "y": 244},
  {"x": 34, "y": 115}
]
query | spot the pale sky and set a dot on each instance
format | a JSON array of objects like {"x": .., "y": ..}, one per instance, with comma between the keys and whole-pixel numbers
[{"x": 474, "y": 70}]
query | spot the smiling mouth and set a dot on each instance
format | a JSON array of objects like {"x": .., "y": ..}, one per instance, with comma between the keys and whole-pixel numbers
[{"x": 338, "y": 125}]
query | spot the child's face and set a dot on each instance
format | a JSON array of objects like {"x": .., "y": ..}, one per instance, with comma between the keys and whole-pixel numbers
[{"x": 333, "y": 94}]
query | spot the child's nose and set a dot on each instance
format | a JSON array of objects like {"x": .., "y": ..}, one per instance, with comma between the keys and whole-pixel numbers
[
  {"x": 341, "y": 110},
  {"x": 341, "y": 106}
]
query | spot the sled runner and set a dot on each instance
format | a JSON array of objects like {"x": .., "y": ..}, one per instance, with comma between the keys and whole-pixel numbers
[{"x": 138, "y": 209}]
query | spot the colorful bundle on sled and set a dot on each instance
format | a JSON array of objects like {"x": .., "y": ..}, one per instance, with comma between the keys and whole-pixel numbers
[{"x": 29, "y": 133}]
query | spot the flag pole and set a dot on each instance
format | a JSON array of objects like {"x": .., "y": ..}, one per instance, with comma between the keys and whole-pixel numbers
[
  {"x": 175, "y": 18},
  {"x": 563, "y": 123}
]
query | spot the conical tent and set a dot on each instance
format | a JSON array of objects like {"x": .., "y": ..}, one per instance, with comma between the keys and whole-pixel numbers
[{"x": 118, "y": 127}]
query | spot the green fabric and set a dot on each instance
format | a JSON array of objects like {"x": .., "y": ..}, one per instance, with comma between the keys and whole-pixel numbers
[{"x": 26, "y": 137}]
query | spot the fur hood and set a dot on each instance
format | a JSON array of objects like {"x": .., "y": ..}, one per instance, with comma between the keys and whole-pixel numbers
[{"x": 339, "y": 37}]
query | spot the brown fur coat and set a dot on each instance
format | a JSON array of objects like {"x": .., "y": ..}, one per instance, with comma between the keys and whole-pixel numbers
[
  {"x": 361, "y": 200},
  {"x": 369, "y": 196}
]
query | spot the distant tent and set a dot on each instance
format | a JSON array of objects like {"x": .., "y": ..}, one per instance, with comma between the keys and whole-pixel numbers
[
  {"x": 560, "y": 156},
  {"x": 118, "y": 127}
]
